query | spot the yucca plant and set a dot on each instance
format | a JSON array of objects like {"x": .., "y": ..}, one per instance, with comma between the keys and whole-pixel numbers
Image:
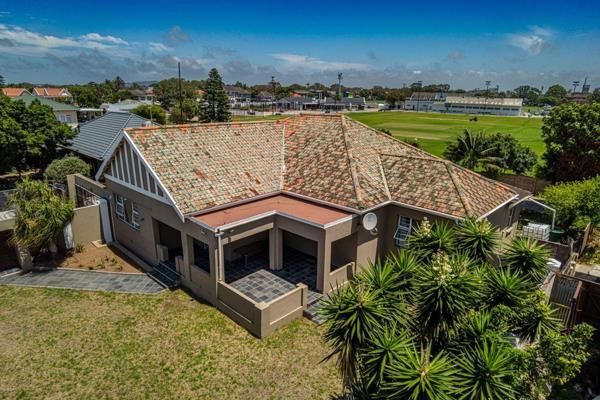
[
  {"x": 538, "y": 318},
  {"x": 430, "y": 239},
  {"x": 486, "y": 372},
  {"x": 529, "y": 257},
  {"x": 385, "y": 349},
  {"x": 478, "y": 238},
  {"x": 354, "y": 313},
  {"x": 448, "y": 289},
  {"x": 421, "y": 376},
  {"x": 506, "y": 286},
  {"x": 405, "y": 264}
]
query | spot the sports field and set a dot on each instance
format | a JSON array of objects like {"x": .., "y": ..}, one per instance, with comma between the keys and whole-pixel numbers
[{"x": 435, "y": 130}]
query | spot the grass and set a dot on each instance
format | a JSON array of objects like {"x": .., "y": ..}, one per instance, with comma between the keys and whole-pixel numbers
[
  {"x": 63, "y": 344},
  {"x": 435, "y": 130}
]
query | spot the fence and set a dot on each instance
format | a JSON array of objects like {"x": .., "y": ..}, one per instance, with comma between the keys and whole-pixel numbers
[
  {"x": 261, "y": 319},
  {"x": 528, "y": 183},
  {"x": 576, "y": 300}
]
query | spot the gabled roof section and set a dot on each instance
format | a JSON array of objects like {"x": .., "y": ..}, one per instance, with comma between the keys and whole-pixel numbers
[
  {"x": 96, "y": 137},
  {"x": 55, "y": 105},
  {"x": 331, "y": 159},
  {"x": 14, "y": 92},
  {"x": 208, "y": 165}
]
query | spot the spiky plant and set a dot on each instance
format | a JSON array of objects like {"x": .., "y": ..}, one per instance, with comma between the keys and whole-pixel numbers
[
  {"x": 473, "y": 150},
  {"x": 430, "y": 239},
  {"x": 506, "y": 286},
  {"x": 405, "y": 264},
  {"x": 447, "y": 291},
  {"x": 421, "y": 376},
  {"x": 41, "y": 215},
  {"x": 353, "y": 313},
  {"x": 385, "y": 349},
  {"x": 486, "y": 372},
  {"x": 529, "y": 257},
  {"x": 478, "y": 238},
  {"x": 538, "y": 318}
]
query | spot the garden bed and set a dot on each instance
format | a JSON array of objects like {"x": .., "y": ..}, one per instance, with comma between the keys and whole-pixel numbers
[{"x": 92, "y": 258}]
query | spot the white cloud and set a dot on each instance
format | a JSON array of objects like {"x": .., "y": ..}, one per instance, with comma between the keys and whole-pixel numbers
[
  {"x": 534, "y": 41},
  {"x": 295, "y": 61},
  {"x": 96, "y": 37},
  {"x": 158, "y": 47}
]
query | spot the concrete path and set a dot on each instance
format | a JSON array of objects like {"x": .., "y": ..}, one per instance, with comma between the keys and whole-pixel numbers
[{"x": 85, "y": 280}]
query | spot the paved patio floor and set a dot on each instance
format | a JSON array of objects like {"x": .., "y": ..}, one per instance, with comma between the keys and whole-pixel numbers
[
  {"x": 85, "y": 280},
  {"x": 257, "y": 281}
]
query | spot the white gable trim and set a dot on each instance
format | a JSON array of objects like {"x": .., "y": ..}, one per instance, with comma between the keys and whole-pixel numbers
[
  {"x": 153, "y": 174},
  {"x": 108, "y": 155}
]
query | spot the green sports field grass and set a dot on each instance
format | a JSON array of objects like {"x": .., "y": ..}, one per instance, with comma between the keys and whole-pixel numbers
[{"x": 435, "y": 130}]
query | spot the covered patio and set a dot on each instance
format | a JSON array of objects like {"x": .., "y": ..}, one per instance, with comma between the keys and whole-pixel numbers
[{"x": 256, "y": 280}]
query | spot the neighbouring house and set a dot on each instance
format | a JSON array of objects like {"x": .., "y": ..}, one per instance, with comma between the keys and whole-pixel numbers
[
  {"x": 96, "y": 139},
  {"x": 15, "y": 92},
  {"x": 423, "y": 101},
  {"x": 64, "y": 112},
  {"x": 146, "y": 95},
  {"x": 52, "y": 93},
  {"x": 124, "y": 105},
  {"x": 238, "y": 96},
  {"x": 262, "y": 218},
  {"x": 479, "y": 105},
  {"x": 345, "y": 104}
]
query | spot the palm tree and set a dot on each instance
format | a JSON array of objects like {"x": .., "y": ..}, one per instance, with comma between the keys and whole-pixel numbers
[
  {"x": 472, "y": 150},
  {"x": 41, "y": 215},
  {"x": 506, "y": 286},
  {"x": 429, "y": 239}
]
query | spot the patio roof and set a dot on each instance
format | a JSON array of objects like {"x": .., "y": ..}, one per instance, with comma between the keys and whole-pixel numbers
[{"x": 280, "y": 204}]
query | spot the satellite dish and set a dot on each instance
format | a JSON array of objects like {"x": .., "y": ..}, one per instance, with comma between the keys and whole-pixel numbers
[{"x": 369, "y": 221}]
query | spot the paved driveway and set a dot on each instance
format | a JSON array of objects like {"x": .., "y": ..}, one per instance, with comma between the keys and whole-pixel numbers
[{"x": 85, "y": 280}]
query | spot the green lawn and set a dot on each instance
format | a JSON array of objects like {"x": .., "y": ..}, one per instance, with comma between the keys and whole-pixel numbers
[
  {"x": 435, "y": 130},
  {"x": 63, "y": 344}
]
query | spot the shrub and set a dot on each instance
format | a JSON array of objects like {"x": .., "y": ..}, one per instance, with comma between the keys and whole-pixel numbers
[{"x": 58, "y": 170}]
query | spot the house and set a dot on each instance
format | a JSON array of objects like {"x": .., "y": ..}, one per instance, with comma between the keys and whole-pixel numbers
[
  {"x": 64, "y": 112},
  {"x": 479, "y": 105},
  {"x": 297, "y": 103},
  {"x": 261, "y": 218},
  {"x": 15, "y": 92},
  {"x": 124, "y": 105},
  {"x": 145, "y": 95},
  {"x": 423, "y": 101},
  {"x": 345, "y": 104},
  {"x": 238, "y": 96},
  {"x": 95, "y": 139},
  {"x": 52, "y": 93}
]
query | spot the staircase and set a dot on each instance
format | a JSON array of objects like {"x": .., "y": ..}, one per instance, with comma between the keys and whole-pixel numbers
[
  {"x": 166, "y": 274},
  {"x": 312, "y": 309}
]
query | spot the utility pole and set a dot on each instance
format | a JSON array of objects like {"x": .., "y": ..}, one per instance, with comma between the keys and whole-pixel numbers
[
  {"x": 575, "y": 84},
  {"x": 273, "y": 86},
  {"x": 487, "y": 91},
  {"x": 180, "y": 96},
  {"x": 420, "y": 84}
]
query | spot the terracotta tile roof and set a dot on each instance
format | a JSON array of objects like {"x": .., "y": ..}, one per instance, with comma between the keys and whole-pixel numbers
[
  {"x": 328, "y": 158},
  {"x": 50, "y": 92},
  {"x": 13, "y": 92}
]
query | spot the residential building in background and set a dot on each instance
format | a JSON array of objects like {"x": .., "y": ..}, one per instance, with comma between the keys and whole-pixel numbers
[
  {"x": 52, "y": 93},
  {"x": 64, "y": 112},
  {"x": 124, "y": 105},
  {"x": 145, "y": 95},
  {"x": 13, "y": 92},
  {"x": 238, "y": 96}
]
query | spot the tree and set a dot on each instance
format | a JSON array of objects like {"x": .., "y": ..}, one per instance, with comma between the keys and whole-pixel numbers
[
  {"x": 1, "y": 81},
  {"x": 394, "y": 96},
  {"x": 472, "y": 151},
  {"x": 557, "y": 91},
  {"x": 595, "y": 96},
  {"x": 215, "y": 107},
  {"x": 528, "y": 93},
  {"x": 466, "y": 304},
  {"x": 13, "y": 145},
  {"x": 41, "y": 215},
  {"x": 166, "y": 91},
  {"x": 512, "y": 154},
  {"x": 153, "y": 112},
  {"x": 576, "y": 203},
  {"x": 58, "y": 169},
  {"x": 189, "y": 111},
  {"x": 572, "y": 139}
]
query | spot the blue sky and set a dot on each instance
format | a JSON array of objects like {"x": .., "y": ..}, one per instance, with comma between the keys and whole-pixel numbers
[{"x": 372, "y": 43}]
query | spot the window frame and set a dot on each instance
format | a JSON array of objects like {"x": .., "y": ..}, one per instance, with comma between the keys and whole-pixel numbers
[
  {"x": 408, "y": 230},
  {"x": 121, "y": 212}
]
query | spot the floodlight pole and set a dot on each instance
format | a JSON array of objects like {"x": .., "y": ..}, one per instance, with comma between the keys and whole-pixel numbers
[{"x": 180, "y": 96}]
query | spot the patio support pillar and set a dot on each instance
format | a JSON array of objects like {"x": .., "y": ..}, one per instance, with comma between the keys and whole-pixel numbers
[
  {"x": 275, "y": 248},
  {"x": 187, "y": 244},
  {"x": 323, "y": 263}
]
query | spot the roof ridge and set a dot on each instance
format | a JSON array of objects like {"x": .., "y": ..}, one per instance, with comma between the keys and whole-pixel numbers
[
  {"x": 463, "y": 199},
  {"x": 264, "y": 121},
  {"x": 355, "y": 181},
  {"x": 385, "y": 182},
  {"x": 435, "y": 159}
]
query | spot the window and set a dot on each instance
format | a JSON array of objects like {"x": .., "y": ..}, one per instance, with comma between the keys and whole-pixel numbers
[
  {"x": 65, "y": 118},
  {"x": 201, "y": 256},
  {"x": 403, "y": 230},
  {"x": 127, "y": 211}
]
